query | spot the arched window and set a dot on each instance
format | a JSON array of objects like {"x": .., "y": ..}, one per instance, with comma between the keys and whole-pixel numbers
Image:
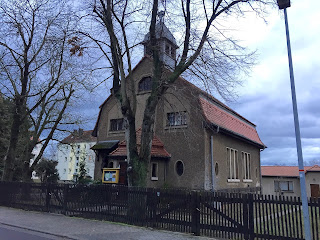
[
  {"x": 111, "y": 165},
  {"x": 145, "y": 84}
]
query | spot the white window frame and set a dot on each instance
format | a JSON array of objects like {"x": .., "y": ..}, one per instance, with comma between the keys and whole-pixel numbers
[
  {"x": 233, "y": 165},
  {"x": 177, "y": 119},
  {"x": 246, "y": 160},
  {"x": 154, "y": 177}
]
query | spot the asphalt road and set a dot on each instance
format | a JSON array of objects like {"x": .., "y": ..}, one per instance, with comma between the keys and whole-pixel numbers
[
  {"x": 17, "y": 224},
  {"x": 13, "y": 233}
]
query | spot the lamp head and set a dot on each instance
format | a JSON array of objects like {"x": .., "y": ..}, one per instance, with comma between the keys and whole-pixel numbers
[{"x": 283, "y": 4}]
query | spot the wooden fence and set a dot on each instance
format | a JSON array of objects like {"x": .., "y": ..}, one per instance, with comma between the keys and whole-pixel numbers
[{"x": 213, "y": 214}]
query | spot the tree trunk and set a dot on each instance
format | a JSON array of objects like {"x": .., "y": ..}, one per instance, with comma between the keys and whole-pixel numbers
[
  {"x": 27, "y": 172},
  {"x": 146, "y": 140},
  {"x": 132, "y": 152},
  {"x": 10, "y": 157}
]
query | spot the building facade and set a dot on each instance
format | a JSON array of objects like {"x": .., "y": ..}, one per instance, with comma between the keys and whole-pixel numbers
[
  {"x": 35, "y": 152},
  {"x": 74, "y": 149},
  {"x": 198, "y": 143},
  {"x": 285, "y": 181}
]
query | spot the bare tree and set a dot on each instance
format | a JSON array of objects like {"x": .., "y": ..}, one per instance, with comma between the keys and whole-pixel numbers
[
  {"x": 208, "y": 53},
  {"x": 36, "y": 72}
]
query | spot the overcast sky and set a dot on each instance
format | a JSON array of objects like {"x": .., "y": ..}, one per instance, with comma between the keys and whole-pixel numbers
[{"x": 265, "y": 97}]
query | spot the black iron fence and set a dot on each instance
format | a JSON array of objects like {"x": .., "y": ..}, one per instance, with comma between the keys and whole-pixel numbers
[{"x": 223, "y": 215}]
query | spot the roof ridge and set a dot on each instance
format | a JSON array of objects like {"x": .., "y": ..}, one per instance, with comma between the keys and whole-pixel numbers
[
  {"x": 210, "y": 97},
  {"x": 86, "y": 136}
]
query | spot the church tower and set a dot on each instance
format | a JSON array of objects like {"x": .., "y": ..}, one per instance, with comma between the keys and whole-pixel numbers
[{"x": 166, "y": 41}]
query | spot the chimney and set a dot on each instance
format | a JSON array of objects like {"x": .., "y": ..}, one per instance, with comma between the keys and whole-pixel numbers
[{"x": 80, "y": 131}]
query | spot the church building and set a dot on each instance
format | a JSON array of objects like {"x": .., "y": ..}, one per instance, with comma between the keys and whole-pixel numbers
[{"x": 199, "y": 142}]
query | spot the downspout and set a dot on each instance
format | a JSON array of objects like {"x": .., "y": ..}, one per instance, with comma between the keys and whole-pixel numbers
[{"x": 212, "y": 165}]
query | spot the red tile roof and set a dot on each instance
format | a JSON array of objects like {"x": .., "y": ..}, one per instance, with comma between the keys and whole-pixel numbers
[
  {"x": 222, "y": 118},
  {"x": 199, "y": 92},
  {"x": 314, "y": 168},
  {"x": 286, "y": 171},
  {"x": 80, "y": 136},
  {"x": 157, "y": 148}
]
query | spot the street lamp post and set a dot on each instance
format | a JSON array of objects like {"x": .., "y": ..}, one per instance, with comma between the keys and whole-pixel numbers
[{"x": 283, "y": 4}]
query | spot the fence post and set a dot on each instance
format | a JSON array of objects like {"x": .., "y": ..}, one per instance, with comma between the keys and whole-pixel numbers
[
  {"x": 154, "y": 196},
  {"x": 245, "y": 217},
  {"x": 48, "y": 197},
  {"x": 251, "y": 217},
  {"x": 195, "y": 213},
  {"x": 65, "y": 198}
]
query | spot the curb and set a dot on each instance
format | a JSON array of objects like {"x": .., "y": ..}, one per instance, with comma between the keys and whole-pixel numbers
[{"x": 38, "y": 231}]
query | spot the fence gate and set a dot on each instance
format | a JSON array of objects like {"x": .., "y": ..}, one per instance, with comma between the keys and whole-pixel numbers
[
  {"x": 225, "y": 215},
  {"x": 171, "y": 210}
]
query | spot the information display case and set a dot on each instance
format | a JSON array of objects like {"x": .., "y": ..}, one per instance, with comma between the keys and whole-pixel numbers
[{"x": 110, "y": 175}]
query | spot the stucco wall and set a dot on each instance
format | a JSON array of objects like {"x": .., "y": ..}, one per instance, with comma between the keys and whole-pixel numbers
[
  {"x": 268, "y": 186},
  {"x": 184, "y": 143},
  {"x": 220, "y": 143},
  {"x": 312, "y": 178}
]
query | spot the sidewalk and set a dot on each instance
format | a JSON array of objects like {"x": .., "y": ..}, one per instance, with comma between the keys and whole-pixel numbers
[{"x": 83, "y": 229}]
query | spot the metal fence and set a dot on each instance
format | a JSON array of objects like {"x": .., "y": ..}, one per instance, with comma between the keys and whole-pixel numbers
[{"x": 214, "y": 214}]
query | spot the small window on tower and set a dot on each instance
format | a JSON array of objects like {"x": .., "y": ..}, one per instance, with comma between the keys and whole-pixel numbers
[
  {"x": 167, "y": 48},
  {"x": 173, "y": 52},
  {"x": 145, "y": 84}
]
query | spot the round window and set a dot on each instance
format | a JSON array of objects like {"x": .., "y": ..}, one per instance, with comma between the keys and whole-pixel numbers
[{"x": 179, "y": 167}]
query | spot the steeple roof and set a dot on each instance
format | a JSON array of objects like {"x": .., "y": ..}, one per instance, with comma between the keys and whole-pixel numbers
[{"x": 162, "y": 32}]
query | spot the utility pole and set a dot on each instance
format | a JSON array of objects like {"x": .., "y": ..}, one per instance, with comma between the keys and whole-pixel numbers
[{"x": 283, "y": 4}]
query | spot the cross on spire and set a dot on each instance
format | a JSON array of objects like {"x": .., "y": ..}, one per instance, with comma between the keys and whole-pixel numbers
[{"x": 161, "y": 16}]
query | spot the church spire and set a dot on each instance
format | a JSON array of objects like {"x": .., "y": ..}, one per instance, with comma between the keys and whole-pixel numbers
[{"x": 166, "y": 41}]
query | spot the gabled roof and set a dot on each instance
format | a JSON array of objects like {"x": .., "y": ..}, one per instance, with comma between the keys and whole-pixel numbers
[
  {"x": 314, "y": 168},
  {"x": 157, "y": 148},
  {"x": 79, "y": 137},
  {"x": 222, "y": 118},
  {"x": 94, "y": 132},
  {"x": 286, "y": 171},
  {"x": 227, "y": 119}
]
